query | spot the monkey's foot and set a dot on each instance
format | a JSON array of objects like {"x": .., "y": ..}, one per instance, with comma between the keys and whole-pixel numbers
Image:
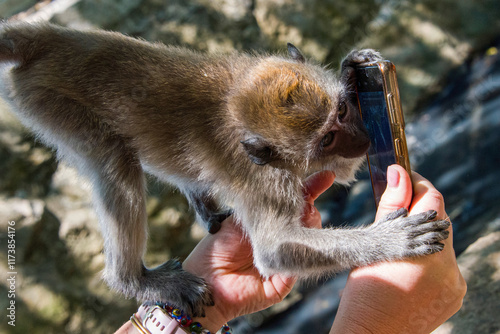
[
  {"x": 400, "y": 235},
  {"x": 169, "y": 283}
]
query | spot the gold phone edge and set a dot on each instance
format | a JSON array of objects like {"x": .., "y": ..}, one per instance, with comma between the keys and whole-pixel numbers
[{"x": 395, "y": 111}]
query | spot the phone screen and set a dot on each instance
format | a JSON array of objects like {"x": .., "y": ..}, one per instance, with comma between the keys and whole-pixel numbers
[{"x": 375, "y": 117}]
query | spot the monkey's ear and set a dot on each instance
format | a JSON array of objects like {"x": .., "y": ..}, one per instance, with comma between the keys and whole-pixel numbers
[
  {"x": 295, "y": 53},
  {"x": 258, "y": 150}
]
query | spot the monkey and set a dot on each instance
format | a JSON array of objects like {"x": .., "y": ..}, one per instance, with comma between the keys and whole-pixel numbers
[{"x": 236, "y": 133}]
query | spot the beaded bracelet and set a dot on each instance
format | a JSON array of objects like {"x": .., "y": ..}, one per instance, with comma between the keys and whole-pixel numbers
[{"x": 185, "y": 322}]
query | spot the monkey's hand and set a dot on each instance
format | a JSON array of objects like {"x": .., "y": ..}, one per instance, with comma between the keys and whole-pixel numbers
[
  {"x": 356, "y": 57},
  {"x": 399, "y": 235}
]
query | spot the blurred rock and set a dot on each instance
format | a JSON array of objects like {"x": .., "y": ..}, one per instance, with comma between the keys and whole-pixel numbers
[
  {"x": 426, "y": 39},
  {"x": 453, "y": 141},
  {"x": 26, "y": 165},
  {"x": 107, "y": 12},
  {"x": 480, "y": 266},
  {"x": 11, "y": 7},
  {"x": 17, "y": 209}
]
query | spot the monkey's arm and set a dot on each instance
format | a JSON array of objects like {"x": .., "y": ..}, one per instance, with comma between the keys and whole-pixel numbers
[{"x": 304, "y": 252}]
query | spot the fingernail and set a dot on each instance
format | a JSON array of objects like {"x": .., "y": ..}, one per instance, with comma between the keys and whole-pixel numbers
[{"x": 392, "y": 177}]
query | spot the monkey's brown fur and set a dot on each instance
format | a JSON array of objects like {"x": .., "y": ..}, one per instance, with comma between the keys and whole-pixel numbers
[{"x": 238, "y": 128}]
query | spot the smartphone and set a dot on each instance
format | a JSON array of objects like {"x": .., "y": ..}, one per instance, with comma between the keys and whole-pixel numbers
[{"x": 380, "y": 108}]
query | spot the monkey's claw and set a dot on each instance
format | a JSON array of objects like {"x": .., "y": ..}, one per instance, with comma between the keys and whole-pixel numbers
[
  {"x": 216, "y": 219},
  {"x": 171, "y": 284},
  {"x": 415, "y": 235},
  {"x": 362, "y": 56},
  {"x": 356, "y": 57}
]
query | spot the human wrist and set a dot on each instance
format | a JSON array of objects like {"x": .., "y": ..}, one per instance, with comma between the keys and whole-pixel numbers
[
  {"x": 371, "y": 303},
  {"x": 397, "y": 297},
  {"x": 213, "y": 319},
  {"x": 156, "y": 318},
  {"x": 361, "y": 318},
  {"x": 215, "y": 316}
]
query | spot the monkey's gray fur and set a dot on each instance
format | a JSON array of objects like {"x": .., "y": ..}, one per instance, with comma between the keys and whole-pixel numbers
[{"x": 245, "y": 130}]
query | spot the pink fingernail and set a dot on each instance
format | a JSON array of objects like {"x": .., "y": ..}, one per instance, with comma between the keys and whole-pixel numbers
[{"x": 392, "y": 177}]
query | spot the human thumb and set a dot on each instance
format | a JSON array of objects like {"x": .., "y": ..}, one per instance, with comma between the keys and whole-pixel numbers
[{"x": 398, "y": 193}]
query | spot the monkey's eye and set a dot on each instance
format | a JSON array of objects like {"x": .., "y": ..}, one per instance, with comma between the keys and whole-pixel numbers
[
  {"x": 327, "y": 139},
  {"x": 342, "y": 110}
]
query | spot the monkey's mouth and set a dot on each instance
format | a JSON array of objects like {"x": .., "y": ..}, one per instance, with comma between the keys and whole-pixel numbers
[
  {"x": 350, "y": 144},
  {"x": 359, "y": 149}
]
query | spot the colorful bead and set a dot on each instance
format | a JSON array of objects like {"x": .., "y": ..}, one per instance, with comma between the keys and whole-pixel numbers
[
  {"x": 195, "y": 328},
  {"x": 177, "y": 313},
  {"x": 185, "y": 321},
  {"x": 226, "y": 330}
]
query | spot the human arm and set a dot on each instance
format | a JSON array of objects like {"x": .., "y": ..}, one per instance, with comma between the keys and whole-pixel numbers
[
  {"x": 408, "y": 296},
  {"x": 225, "y": 261}
]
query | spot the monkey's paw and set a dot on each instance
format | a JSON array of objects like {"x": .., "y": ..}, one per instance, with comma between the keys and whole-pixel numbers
[
  {"x": 400, "y": 235},
  {"x": 170, "y": 283},
  {"x": 356, "y": 57}
]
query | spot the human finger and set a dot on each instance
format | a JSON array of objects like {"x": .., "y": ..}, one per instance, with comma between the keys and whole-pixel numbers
[
  {"x": 317, "y": 184},
  {"x": 314, "y": 186},
  {"x": 426, "y": 197},
  {"x": 398, "y": 193}
]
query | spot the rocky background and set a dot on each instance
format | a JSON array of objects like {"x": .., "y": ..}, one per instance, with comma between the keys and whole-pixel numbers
[{"x": 448, "y": 64}]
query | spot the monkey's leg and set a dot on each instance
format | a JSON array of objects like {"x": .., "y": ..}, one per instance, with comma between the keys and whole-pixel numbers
[
  {"x": 307, "y": 252},
  {"x": 120, "y": 199},
  {"x": 116, "y": 175},
  {"x": 207, "y": 210}
]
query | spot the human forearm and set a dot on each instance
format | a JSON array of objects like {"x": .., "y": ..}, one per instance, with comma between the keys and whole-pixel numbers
[
  {"x": 399, "y": 297},
  {"x": 414, "y": 295}
]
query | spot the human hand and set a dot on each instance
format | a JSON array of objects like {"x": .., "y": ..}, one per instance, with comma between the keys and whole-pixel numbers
[
  {"x": 414, "y": 295},
  {"x": 225, "y": 261}
]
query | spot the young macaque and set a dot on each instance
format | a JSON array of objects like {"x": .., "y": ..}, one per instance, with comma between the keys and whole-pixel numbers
[{"x": 233, "y": 132}]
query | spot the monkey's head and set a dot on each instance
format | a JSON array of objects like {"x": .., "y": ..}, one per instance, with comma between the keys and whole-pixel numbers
[{"x": 299, "y": 116}]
